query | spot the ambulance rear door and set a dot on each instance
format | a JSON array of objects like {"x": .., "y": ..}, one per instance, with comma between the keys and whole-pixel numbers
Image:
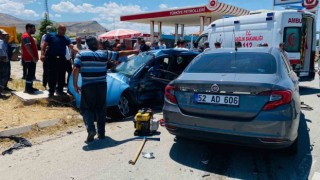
[{"x": 292, "y": 36}]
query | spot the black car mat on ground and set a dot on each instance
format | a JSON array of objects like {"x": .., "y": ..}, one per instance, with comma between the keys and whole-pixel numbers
[{"x": 20, "y": 143}]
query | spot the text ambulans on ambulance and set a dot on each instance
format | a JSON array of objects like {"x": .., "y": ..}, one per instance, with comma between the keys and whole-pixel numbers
[{"x": 297, "y": 29}]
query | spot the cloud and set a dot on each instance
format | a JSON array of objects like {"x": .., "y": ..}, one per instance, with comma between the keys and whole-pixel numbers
[
  {"x": 16, "y": 7},
  {"x": 106, "y": 9},
  {"x": 163, "y": 6},
  {"x": 108, "y": 15}
]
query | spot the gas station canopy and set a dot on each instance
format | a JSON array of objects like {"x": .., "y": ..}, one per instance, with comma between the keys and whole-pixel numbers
[{"x": 189, "y": 16}]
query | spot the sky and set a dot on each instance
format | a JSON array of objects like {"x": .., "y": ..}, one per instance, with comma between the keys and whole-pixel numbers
[{"x": 108, "y": 13}]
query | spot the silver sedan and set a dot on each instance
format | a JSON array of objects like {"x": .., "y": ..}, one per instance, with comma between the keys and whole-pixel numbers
[{"x": 248, "y": 96}]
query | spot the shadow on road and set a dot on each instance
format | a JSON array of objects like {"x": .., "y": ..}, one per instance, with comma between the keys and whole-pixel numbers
[
  {"x": 105, "y": 143},
  {"x": 304, "y": 90},
  {"x": 246, "y": 163},
  {"x": 108, "y": 142}
]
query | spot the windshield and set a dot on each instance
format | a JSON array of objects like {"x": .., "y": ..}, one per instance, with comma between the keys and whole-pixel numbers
[
  {"x": 244, "y": 63},
  {"x": 133, "y": 63}
]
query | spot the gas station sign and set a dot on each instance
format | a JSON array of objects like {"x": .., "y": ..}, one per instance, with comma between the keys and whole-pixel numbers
[
  {"x": 282, "y": 2},
  {"x": 213, "y": 4},
  {"x": 311, "y": 5}
]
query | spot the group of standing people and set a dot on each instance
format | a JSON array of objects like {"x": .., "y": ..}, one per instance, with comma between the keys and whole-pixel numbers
[
  {"x": 144, "y": 46},
  {"x": 55, "y": 56},
  {"x": 55, "y": 52}
]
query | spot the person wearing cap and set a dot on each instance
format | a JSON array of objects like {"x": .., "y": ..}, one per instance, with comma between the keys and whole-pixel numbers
[
  {"x": 29, "y": 57},
  {"x": 45, "y": 75},
  {"x": 3, "y": 62},
  {"x": 56, "y": 57},
  {"x": 92, "y": 64}
]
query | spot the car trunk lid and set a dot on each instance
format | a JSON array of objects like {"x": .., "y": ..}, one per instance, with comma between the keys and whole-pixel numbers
[{"x": 227, "y": 95}]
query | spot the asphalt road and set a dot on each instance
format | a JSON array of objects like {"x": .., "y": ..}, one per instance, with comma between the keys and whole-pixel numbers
[{"x": 68, "y": 157}]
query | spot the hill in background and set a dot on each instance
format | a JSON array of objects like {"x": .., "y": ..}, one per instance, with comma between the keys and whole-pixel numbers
[{"x": 72, "y": 27}]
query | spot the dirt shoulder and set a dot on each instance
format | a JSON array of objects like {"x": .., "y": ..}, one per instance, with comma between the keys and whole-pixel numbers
[{"x": 13, "y": 113}]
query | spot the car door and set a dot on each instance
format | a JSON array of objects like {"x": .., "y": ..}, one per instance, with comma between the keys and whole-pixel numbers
[
  {"x": 151, "y": 85},
  {"x": 293, "y": 76},
  {"x": 295, "y": 80},
  {"x": 177, "y": 65}
]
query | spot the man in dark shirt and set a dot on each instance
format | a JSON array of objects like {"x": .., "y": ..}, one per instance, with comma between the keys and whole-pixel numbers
[
  {"x": 56, "y": 43},
  {"x": 92, "y": 64},
  {"x": 143, "y": 46}
]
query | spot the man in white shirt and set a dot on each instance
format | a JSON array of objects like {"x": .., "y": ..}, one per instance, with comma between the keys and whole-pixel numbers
[{"x": 137, "y": 45}]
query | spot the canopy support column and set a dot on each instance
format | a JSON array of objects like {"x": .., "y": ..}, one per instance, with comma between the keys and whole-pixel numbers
[
  {"x": 176, "y": 28},
  {"x": 201, "y": 24},
  {"x": 151, "y": 31},
  {"x": 182, "y": 31},
  {"x": 159, "y": 29}
]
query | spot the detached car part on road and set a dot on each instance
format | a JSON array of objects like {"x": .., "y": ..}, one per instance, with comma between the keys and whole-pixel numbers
[
  {"x": 141, "y": 79},
  {"x": 247, "y": 97}
]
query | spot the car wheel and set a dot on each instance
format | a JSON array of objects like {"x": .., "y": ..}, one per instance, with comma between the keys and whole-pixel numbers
[{"x": 125, "y": 107}]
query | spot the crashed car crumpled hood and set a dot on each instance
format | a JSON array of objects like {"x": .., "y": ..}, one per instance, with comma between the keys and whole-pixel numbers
[{"x": 120, "y": 77}]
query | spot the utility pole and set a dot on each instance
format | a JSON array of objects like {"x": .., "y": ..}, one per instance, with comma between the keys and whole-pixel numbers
[{"x": 46, "y": 14}]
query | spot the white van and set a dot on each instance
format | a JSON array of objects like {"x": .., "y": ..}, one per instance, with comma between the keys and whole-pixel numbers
[{"x": 296, "y": 28}]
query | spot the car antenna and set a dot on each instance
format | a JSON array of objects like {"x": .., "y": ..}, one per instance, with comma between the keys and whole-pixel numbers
[{"x": 234, "y": 36}]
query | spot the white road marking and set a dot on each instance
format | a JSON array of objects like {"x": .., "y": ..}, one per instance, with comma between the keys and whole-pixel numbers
[{"x": 316, "y": 176}]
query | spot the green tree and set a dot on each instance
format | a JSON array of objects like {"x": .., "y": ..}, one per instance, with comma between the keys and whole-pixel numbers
[{"x": 19, "y": 35}]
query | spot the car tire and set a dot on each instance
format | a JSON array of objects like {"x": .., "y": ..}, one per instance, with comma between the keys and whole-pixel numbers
[{"x": 125, "y": 108}]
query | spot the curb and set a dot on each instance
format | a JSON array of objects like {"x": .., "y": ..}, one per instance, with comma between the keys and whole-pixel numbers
[{"x": 27, "y": 128}]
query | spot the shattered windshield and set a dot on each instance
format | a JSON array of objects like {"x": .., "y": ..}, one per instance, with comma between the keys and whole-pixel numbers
[{"x": 133, "y": 63}]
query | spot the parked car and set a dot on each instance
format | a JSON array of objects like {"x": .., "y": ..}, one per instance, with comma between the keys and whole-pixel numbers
[
  {"x": 141, "y": 79},
  {"x": 248, "y": 96}
]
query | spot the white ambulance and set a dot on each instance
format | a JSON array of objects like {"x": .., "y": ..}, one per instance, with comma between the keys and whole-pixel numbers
[{"x": 297, "y": 29}]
